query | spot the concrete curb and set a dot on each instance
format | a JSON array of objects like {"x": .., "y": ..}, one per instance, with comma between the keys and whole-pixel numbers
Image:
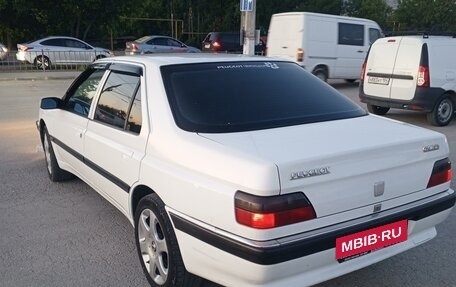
[{"x": 35, "y": 76}]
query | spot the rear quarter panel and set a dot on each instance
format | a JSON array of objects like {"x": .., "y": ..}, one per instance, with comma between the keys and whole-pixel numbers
[{"x": 443, "y": 65}]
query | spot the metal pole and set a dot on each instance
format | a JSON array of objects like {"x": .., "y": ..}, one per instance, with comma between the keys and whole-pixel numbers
[{"x": 249, "y": 27}]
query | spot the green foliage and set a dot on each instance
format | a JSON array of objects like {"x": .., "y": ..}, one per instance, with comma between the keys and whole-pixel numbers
[
  {"x": 22, "y": 20},
  {"x": 376, "y": 10},
  {"x": 429, "y": 15}
]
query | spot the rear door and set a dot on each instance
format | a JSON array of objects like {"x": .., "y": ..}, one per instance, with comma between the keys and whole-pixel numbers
[
  {"x": 115, "y": 140},
  {"x": 380, "y": 66},
  {"x": 403, "y": 82},
  {"x": 284, "y": 36},
  {"x": 55, "y": 49}
]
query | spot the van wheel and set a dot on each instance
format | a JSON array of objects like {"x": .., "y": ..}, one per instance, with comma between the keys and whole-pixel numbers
[
  {"x": 321, "y": 74},
  {"x": 377, "y": 110},
  {"x": 442, "y": 113}
]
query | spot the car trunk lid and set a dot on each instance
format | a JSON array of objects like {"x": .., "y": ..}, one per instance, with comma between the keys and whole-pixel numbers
[{"x": 346, "y": 164}]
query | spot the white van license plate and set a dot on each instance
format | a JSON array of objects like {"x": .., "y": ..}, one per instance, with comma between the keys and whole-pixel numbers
[{"x": 378, "y": 80}]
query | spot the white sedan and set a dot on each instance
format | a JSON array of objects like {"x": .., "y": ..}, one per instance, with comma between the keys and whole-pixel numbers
[
  {"x": 59, "y": 50},
  {"x": 246, "y": 171}
]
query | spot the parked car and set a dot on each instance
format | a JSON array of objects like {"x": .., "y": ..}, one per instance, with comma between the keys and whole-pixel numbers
[
  {"x": 157, "y": 44},
  {"x": 227, "y": 42},
  {"x": 413, "y": 73},
  {"x": 59, "y": 50},
  {"x": 235, "y": 169},
  {"x": 3, "y": 52},
  {"x": 329, "y": 46}
]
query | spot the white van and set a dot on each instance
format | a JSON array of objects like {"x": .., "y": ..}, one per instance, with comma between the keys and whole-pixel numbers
[
  {"x": 414, "y": 73},
  {"x": 329, "y": 46}
]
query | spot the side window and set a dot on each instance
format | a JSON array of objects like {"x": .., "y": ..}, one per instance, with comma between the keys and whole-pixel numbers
[
  {"x": 374, "y": 34},
  {"x": 82, "y": 93},
  {"x": 160, "y": 41},
  {"x": 117, "y": 99},
  {"x": 351, "y": 34},
  {"x": 135, "y": 119},
  {"x": 74, "y": 44},
  {"x": 174, "y": 43},
  {"x": 53, "y": 42}
]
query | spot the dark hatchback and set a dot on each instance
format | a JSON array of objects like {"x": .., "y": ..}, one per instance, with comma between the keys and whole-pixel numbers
[{"x": 227, "y": 42}]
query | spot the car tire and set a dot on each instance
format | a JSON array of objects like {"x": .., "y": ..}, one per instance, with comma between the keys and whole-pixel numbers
[
  {"x": 321, "y": 74},
  {"x": 100, "y": 57},
  {"x": 55, "y": 173},
  {"x": 157, "y": 246},
  {"x": 377, "y": 110},
  {"x": 42, "y": 63},
  {"x": 442, "y": 113}
]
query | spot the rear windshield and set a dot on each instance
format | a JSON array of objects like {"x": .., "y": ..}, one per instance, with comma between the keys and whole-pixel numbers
[{"x": 242, "y": 96}]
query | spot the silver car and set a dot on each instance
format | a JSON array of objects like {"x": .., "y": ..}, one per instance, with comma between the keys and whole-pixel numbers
[
  {"x": 3, "y": 52},
  {"x": 157, "y": 44},
  {"x": 59, "y": 50}
]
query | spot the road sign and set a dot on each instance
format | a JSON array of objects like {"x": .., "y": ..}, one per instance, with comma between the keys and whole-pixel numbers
[{"x": 246, "y": 5}]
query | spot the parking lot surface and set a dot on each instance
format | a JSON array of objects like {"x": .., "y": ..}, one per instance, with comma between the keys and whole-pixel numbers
[{"x": 65, "y": 234}]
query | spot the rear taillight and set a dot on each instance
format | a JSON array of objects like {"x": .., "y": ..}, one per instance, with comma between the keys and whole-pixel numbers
[
  {"x": 134, "y": 47},
  {"x": 441, "y": 173},
  {"x": 423, "y": 77},
  {"x": 215, "y": 44},
  {"x": 272, "y": 211},
  {"x": 300, "y": 55},
  {"x": 363, "y": 71}
]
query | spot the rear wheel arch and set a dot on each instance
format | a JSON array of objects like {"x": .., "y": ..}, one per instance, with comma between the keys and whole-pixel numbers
[
  {"x": 443, "y": 110},
  {"x": 321, "y": 71},
  {"x": 138, "y": 193}
]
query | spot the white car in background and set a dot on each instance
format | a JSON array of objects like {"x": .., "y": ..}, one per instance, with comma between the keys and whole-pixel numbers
[
  {"x": 246, "y": 171},
  {"x": 59, "y": 50},
  {"x": 3, "y": 52},
  {"x": 157, "y": 44}
]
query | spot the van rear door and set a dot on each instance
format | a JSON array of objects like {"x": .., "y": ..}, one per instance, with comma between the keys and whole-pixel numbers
[
  {"x": 405, "y": 71},
  {"x": 380, "y": 67},
  {"x": 284, "y": 36}
]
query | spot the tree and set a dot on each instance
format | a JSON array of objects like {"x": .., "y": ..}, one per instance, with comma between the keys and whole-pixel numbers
[
  {"x": 377, "y": 10},
  {"x": 429, "y": 15}
]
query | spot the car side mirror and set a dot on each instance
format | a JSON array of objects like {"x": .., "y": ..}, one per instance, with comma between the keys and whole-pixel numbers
[{"x": 51, "y": 103}]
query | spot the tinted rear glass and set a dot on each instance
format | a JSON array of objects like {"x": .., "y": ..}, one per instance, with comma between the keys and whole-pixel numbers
[{"x": 242, "y": 96}]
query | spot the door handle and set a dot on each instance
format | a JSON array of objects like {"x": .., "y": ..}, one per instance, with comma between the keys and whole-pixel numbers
[
  {"x": 360, "y": 51},
  {"x": 284, "y": 47}
]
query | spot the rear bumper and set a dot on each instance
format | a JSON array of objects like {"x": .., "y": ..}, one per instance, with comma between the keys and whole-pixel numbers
[
  {"x": 424, "y": 99},
  {"x": 302, "y": 259},
  {"x": 289, "y": 248}
]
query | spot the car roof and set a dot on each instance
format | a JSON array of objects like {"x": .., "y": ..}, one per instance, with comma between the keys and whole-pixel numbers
[
  {"x": 164, "y": 59},
  {"x": 52, "y": 37}
]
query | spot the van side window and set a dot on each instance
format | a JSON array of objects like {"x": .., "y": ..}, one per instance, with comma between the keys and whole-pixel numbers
[
  {"x": 115, "y": 101},
  {"x": 351, "y": 34},
  {"x": 374, "y": 34}
]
